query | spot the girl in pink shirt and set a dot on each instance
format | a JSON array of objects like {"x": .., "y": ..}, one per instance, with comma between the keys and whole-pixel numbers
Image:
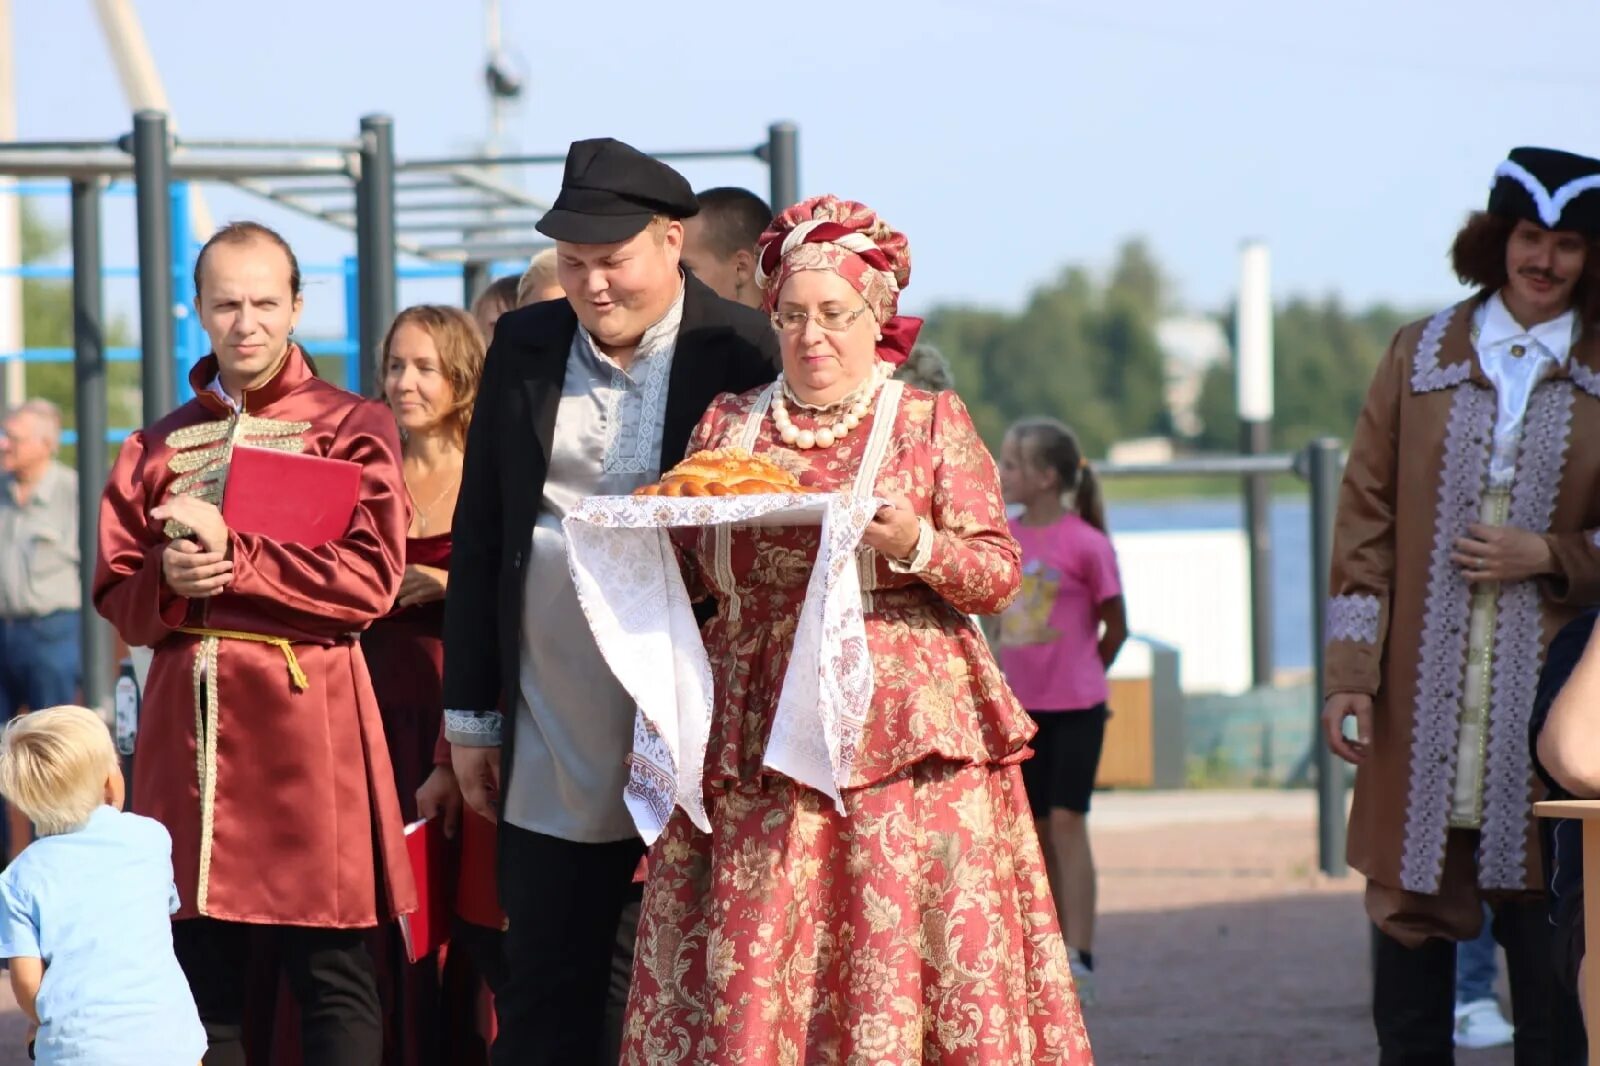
[{"x": 1056, "y": 641}]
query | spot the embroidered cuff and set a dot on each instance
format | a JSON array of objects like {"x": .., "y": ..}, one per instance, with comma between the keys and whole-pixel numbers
[
  {"x": 921, "y": 555},
  {"x": 474, "y": 729},
  {"x": 1353, "y": 619}
]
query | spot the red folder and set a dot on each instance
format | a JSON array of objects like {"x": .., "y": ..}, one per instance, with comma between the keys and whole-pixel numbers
[
  {"x": 289, "y": 498},
  {"x": 426, "y": 929},
  {"x": 477, "y": 898}
]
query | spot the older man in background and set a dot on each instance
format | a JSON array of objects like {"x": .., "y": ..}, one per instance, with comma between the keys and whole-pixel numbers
[{"x": 40, "y": 596}]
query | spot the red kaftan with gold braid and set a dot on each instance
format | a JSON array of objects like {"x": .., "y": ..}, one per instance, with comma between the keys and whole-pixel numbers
[{"x": 281, "y": 803}]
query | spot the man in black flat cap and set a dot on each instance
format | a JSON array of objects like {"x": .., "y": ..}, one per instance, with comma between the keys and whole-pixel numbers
[
  {"x": 1467, "y": 535},
  {"x": 594, "y": 395}
]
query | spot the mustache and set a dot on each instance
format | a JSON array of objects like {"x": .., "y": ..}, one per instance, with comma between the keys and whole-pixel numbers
[{"x": 1547, "y": 276}]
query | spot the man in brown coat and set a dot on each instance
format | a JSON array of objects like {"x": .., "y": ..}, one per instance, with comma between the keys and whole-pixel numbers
[{"x": 1468, "y": 533}]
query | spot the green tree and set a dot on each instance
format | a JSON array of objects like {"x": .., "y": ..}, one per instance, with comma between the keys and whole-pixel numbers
[
  {"x": 47, "y": 323},
  {"x": 1137, "y": 277},
  {"x": 1324, "y": 358},
  {"x": 1087, "y": 353},
  {"x": 1078, "y": 351},
  {"x": 1219, "y": 416},
  {"x": 1134, "y": 369},
  {"x": 973, "y": 340},
  {"x": 46, "y": 305}
]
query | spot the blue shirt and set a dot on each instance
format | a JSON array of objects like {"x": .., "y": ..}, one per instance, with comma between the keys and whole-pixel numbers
[{"x": 96, "y": 905}]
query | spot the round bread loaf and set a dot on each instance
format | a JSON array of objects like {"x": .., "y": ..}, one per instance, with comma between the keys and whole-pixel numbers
[{"x": 723, "y": 472}]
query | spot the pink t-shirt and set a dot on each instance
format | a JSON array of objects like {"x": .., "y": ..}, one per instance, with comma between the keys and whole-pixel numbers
[{"x": 1050, "y": 635}]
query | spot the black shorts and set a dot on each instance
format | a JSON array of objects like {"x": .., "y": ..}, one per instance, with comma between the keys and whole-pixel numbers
[{"x": 1066, "y": 755}]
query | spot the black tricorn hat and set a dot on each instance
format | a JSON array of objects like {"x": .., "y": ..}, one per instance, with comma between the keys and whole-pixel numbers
[
  {"x": 1558, "y": 190},
  {"x": 610, "y": 191}
]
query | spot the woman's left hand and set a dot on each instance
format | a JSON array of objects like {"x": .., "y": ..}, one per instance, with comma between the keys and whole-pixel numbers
[
  {"x": 422, "y": 584},
  {"x": 894, "y": 530}
]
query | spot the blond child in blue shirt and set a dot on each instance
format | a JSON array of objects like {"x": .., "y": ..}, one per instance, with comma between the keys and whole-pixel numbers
[{"x": 85, "y": 910}]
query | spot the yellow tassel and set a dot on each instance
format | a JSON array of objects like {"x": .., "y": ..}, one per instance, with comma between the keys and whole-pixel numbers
[{"x": 297, "y": 676}]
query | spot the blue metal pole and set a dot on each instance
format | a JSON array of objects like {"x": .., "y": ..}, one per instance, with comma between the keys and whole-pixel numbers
[
  {"x": 352, "y": 322},
  {"x": 187, "y": 334}
]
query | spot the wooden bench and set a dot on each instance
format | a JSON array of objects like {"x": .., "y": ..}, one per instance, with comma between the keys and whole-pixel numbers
[{"x": 1587, "y": 812}]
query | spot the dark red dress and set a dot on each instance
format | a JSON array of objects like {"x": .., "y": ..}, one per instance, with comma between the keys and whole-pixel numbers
[
  {"x": 405, "y": 653},
  {"x": 437, "y": 1003}
]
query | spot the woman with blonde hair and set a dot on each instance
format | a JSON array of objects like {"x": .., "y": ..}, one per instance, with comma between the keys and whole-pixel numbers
[
  {"x": 432, "y": 361},
  {"x": 430, "y": 365},
  {"x": 539, "y": 281}
]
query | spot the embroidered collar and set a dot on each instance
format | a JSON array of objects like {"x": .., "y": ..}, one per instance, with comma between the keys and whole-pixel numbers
[
  {"x": 1445, "y": 355},
  {"x": 662, "y": 335}
]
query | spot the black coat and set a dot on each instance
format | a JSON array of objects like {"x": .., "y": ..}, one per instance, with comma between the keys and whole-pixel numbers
[{"x": 722, "y": 347}]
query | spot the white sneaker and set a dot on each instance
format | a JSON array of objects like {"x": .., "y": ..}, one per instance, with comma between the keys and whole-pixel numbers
[
  {"x": 1480, "y": 1025},
  {"x": 1082, "y": 978}
]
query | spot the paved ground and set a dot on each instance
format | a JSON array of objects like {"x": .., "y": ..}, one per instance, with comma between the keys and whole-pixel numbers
[{"x": 1220, "y": 944}]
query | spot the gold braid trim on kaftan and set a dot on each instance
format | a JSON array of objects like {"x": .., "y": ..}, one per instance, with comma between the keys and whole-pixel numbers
[{"x": 200, "y": 457}]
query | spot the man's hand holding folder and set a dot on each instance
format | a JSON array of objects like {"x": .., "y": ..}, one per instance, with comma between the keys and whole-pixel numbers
[
  {"x": 288, "y": 498},
  {"x": 197, "y": 566}
]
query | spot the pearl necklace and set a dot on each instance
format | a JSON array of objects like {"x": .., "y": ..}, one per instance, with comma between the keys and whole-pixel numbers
[{"x": 825, "y": 436}]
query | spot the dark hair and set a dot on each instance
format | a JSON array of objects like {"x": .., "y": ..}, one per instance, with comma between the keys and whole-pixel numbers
[
  {"x": 243, "y": 233},
  {"x": 503, "y": 288},
  {"x": 500, "y": 296},
  {"x": 1056, "y": 448},
  {"x": 734, "y": 218},
  {"x": 1478, "y": 257},
  {"x": 460, "y": 344}
]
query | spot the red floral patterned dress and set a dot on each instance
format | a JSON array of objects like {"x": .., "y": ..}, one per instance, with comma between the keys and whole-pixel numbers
[{"x": 918, "y": 926}]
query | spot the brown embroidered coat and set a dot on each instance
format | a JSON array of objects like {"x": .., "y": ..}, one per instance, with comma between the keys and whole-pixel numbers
[{"x": 1398, "y": 617}]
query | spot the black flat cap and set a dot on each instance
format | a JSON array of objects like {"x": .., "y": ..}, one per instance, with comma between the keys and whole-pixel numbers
[{"x": 610, "y": 191}]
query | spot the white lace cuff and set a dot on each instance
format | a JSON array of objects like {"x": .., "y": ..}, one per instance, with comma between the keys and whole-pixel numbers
[
  {"x": 921, "y": 555},
  {"x": 473, "y": 729}
]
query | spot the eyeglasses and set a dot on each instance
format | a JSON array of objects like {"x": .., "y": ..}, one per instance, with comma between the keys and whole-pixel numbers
[{"x": 834, "y": 320}]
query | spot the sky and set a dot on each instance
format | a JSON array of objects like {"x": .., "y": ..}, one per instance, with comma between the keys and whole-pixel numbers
[{"x": 1007, "y": 138}]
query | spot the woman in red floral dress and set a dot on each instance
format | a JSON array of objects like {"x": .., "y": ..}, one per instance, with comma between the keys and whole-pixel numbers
[{"x": 917, "y": 926}]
